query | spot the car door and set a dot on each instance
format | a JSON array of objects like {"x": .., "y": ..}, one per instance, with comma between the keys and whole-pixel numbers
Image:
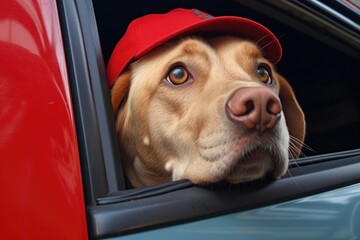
[{"x": 321, "y": 55}]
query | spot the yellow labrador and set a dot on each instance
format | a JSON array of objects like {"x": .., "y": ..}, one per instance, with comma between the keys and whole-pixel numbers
[{"x": 205, "y": 110}]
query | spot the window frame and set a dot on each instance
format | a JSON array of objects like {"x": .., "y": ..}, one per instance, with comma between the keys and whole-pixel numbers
[
  {"x": 199, "y": 202},
  {"x": 98, "y": 143},
  {"x": 316, "y": 19}
]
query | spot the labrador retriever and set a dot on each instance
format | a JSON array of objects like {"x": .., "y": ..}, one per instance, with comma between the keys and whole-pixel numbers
[{"x": 205, "y": 109}]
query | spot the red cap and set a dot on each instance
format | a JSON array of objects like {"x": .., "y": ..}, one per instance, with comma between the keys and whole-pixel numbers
[{"x": 147, "y": 32}]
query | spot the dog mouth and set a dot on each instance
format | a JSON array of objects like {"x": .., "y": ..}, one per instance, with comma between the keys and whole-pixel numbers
[
  {"x": 239, "y": 159},
  {"x": 256, "y": 163}
]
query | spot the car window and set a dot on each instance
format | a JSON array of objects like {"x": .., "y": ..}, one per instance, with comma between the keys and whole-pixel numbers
[
  {"x": 319, "y": 66},
  {"x": 321, "y": 53}
]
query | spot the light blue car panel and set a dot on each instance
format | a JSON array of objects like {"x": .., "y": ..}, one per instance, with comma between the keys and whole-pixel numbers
[{"x": 330, "y": 215}]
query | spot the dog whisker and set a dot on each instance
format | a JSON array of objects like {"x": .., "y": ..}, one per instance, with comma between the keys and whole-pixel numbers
[
  {"x": 296, "y": 163},
  {"x": 269, "y": 43},
  {"x": 294, "y": 180},
  {"x": 260, "y": 39},
  {"x": 292, "y": 151},
  {"x": 302, "y": 143},
  {"x": 266, "y": 45},
  {"x": 281, "y": 36},
  {"x": 296, "y": 140}
]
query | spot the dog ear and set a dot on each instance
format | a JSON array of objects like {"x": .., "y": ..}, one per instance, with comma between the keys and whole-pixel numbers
[
  {"x": 295, "y": 119},
  {"x": 120, "y": 90}
]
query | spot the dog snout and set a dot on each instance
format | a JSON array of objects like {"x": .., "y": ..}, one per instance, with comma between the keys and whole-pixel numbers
[{"x": 254, "y": 108}]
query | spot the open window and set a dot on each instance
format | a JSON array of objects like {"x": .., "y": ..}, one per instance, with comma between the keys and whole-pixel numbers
[{"x": 321, "y": 47}]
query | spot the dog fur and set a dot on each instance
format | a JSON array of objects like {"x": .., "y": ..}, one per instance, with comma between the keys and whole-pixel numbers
[{"x": 170, "y": 132}]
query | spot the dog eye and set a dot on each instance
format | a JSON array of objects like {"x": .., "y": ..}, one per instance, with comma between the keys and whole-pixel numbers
[
  {"x": 178, "y": 75},
  {"x": 264, "y": 75}
]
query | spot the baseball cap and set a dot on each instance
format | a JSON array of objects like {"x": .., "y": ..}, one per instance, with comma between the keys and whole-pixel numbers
[{"x": 145, "y": 33}]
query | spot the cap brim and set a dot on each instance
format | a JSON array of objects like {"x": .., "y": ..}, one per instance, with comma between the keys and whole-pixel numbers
[{"x": 242, "y": 27}]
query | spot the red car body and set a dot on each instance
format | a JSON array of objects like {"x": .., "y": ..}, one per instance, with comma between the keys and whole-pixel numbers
[{"x": 40, "y": 178}]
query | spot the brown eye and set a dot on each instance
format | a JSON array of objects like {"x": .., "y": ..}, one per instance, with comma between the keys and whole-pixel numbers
[
  {"x": 178, "y": 75},
  {"x": 264, "y": 75}
]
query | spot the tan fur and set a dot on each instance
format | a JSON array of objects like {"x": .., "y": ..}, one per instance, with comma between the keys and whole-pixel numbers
[
  {"x": 182, "y": 132},
  {"x": 295, "y": 119}
]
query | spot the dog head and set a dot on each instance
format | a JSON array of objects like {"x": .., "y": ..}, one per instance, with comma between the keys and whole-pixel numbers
[{"x": 205, "y": 110}]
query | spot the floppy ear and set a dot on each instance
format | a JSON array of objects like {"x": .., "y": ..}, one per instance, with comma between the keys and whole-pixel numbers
[
  {"x": 120, "y": 90},
  {"x": 295, "y": 119}
]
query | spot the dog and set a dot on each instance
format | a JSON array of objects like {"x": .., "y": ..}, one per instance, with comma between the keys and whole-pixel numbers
[
  {"x": 198, "y": 97},
  {"x": 205, "y": 110}
]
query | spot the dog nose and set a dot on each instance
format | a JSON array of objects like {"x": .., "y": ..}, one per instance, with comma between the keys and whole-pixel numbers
[{"x": 254, "y": 107}]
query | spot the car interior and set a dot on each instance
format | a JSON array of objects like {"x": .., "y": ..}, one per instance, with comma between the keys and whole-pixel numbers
[{"x": 321, "y": 53}]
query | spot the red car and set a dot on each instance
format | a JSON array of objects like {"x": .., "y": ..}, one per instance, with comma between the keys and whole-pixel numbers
[
  {"x": 40, "y": 176},
  {"x": 60, "y": 169}
]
